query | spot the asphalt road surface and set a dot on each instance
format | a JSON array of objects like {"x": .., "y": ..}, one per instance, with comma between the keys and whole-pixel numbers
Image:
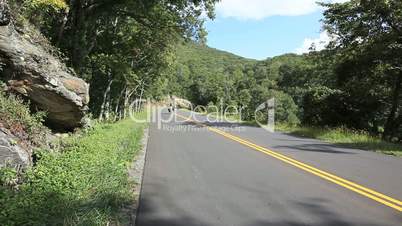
[{"x": 197, "y": 175}]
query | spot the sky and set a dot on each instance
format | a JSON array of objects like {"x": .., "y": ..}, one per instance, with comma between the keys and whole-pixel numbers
[{"x": 259, "y": 29}]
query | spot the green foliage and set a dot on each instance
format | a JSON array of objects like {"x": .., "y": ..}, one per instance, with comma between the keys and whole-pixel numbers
[
  {"x": 16, "y": 116},
  {"x": 42, "y": 4},
  {"x": 368, "y": 68},
  {"x": 204, "y": 74},
  {"x": 8, "y": 176},
  {"x": 319, "y": 106},
  {"x": 349, "y": 84},
  {"x": 207, "y": 76},
  {"x": 356, "y": 82},
  {"x": 31, "y": 14},
  {"x": 123, "y": 48},
  {"x": 85, "y": 183},
  {"x": 285, "y": 109}
]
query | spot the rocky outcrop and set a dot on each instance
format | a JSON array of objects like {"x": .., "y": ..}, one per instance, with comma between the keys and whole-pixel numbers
[
  {"x": 4, "y": 13},
  {"x": 34, "y": 73},
  {"x": 12, "y": 153}
]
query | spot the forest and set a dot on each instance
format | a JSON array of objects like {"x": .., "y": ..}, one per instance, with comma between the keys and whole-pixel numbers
[
  {"x": 354, "y": 83},
  {"x": 122, "y": 48}
]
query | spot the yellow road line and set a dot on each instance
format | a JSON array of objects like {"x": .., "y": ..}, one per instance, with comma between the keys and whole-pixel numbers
[{"x": 369, "y": 193}]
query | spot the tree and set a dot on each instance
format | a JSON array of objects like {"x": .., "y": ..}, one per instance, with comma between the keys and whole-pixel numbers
[
  {"x": 121, "y": 47},
  {"x": 368, "y": 46}
]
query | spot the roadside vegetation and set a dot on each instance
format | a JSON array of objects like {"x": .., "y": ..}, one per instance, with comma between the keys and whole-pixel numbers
[
  {"x": 345, "y": 137},
  {"x": 83, "y": 181},
  {"x": 124, "y": 50},
  {"x": 16, "y": 117}
]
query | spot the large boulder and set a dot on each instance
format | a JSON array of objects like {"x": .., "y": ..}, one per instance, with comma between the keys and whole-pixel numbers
[
  {"x": 12, "y": 153},
  {"x": 30, "y": 70}
]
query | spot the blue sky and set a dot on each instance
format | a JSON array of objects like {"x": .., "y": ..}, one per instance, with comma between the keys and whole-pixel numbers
[{"x": 259, "y": 29}]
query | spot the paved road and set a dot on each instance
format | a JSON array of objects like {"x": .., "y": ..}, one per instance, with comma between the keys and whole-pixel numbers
[{"x": 194, "y": 176}]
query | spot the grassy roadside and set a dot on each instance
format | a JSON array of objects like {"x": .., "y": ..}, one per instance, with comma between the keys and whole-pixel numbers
[
  {"x": 345, "y": 137},
  {"x": 85, "y": 183}
]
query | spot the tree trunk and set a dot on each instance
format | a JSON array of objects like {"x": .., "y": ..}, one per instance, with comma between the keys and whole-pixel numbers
[
  {"x": 107, "y": 107},
  {"x": 78, "y": 18},
  {"x": 127, "y": 98},
  {"x": 140, "y": 102},
  {"x": 126, "y": 101},
  {"x": 62, "y": 27},
  {"x": 105, "y": 99},
  {"x": 118, "y": 105},
  {"x": 392, "y": 124}
]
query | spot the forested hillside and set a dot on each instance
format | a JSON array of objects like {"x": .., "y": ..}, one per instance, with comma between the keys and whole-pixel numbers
[
  {"x": 200, "y": 72},
  {"x": 314, "y": 89},
  {"x": 208, "y": 76},
  {"x": 355, "y": 83}
]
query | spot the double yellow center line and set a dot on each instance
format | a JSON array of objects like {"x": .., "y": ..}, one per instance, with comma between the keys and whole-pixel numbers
[{"x": 369, "y": 193}]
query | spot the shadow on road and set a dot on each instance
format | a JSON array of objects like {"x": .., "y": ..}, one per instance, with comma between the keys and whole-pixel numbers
[
  {"x": 322, "y": 148},
  {"x": 314, "y": 210},
  {"x": 309, "y": 147}
]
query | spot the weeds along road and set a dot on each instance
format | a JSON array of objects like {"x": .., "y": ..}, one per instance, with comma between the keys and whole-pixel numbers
[{"x": 226, "y": 174}]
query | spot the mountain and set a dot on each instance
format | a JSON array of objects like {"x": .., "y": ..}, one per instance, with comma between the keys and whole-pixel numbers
[{"x": 211, "y": 57}]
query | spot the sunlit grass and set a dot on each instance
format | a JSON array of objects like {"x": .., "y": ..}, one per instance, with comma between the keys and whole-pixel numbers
[
  {"x": 84, "y": 183},
  {"x": 345, "y": 137}
]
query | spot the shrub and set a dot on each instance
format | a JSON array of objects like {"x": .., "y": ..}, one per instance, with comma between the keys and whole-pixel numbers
[
  {"x": 285, "y": 108},
  {"x": 16, "y": 116},
  {"x": 40, "y": 4}
]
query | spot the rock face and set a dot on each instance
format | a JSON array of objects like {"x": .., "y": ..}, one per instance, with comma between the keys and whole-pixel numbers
[
  {"x": 34, "y": 73},
  {"x": 4, "y": 13},
  {"x": 11, "y": 153}
]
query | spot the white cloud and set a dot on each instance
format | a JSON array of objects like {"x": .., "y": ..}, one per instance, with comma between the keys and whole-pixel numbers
[
  {"x": 260, "y": 9},
  {"x": 319, "y": 43}
]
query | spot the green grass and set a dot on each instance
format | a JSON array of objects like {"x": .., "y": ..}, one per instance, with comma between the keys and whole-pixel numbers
[
  {"x": 85, "y": 183},
  {"x": 345, "y": 137}
]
